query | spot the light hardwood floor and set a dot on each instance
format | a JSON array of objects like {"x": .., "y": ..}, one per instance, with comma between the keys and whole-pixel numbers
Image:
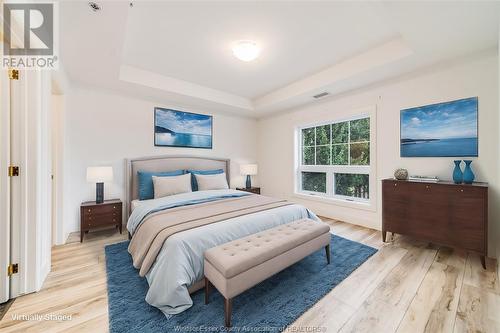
[{"x": 407, "y": 286}]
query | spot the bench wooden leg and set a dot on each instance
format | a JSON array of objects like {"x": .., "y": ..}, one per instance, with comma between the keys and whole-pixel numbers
[
  {"x": 327, "y": 250},
  {"x": 228, "y": 307},
  {"x": 207, "y": 290}
]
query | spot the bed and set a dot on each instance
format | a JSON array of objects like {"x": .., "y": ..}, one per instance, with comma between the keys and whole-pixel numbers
[{"x": 170, "y": 234}]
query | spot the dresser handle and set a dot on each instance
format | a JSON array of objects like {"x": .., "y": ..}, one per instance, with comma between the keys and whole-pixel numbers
[
  {"x": 395, "y": 184},
  {"x": 427, "y": 186},
  {"x": 90, "y": 218},
  {"x": 89, "y": 210},
  {"x": 114, "y": 207},
  {"x": 461, "y": 190}
]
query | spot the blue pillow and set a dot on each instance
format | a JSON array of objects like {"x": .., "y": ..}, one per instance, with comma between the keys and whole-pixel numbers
[
  {"x": 194, "y": 184},
  {"x": 145, "y": 179}
]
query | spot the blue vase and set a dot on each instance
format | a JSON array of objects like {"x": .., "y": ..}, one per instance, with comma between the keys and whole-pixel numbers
[
  {"x": 468, "y": 174},
  {"x": 457, "y": 173}
]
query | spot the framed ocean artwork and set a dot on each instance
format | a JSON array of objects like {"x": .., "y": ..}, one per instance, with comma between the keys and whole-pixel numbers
[
  {"x": 448, "y": 129},
  {"x": 175, "y": 128}
]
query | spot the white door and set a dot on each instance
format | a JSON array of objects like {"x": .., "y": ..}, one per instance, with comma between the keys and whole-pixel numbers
[
  {"x": 4, "y": 185},
  {"x": 25, "y": 200}
]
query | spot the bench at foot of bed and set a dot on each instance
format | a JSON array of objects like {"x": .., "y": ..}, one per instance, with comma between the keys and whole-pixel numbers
[{"x": 241, "y": 264}]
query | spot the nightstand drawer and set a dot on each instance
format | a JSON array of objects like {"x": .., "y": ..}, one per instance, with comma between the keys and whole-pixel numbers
[
  {"x": 102, "y": 219},
  {"x": 100, "y": 210}
]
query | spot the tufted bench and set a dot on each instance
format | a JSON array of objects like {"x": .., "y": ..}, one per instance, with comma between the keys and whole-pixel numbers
[{"x": 241, "y": 264}]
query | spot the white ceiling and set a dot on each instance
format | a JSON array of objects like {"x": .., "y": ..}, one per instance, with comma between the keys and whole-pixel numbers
[
  {"x": 194, "y": 44},
  {"x": 180, "y": 52}
]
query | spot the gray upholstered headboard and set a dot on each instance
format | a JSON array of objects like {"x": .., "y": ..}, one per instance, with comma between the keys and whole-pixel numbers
[{"x": 167, "y": 163}]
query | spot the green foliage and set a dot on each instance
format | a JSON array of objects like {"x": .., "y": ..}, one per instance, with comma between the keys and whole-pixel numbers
[
  {"x": 336, "y": 144},
  {"x": 308, "y": 156},
  {"x": 352, "y": 185},
  {"x": 360, "y": 130},
  {"x": 339, "y": 154},
  {"x": 323, "y": 135},
  {"x": 308, "y": 137},
  {"x": 340, "y": 132},
  {"x": 314, "y": 181},
  {"x": 360, "y": 153},
  {"x": 323, "y": 155}
]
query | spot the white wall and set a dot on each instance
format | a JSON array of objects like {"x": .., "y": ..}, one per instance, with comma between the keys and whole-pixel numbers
[
  {"x": 104, "y": 129},
  {"x": 474, "y": 76}
]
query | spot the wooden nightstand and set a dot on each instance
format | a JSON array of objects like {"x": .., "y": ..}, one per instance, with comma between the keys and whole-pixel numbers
[
  {"x": 255, "y": 190},
  {"x": 92, "y": 215}
]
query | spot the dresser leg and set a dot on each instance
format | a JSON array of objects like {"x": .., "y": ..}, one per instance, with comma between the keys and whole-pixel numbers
[
  {"x": 81, "y": 236},
  {"x": 121, "y": 226},
  {"x": 384, "y": 234},
  {"x": 483, "y": 261}
]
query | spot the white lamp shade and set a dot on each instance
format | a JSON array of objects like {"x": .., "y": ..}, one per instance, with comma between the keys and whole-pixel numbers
[
  {"x": 248, "y": 169},
  {"x": 99, "y": 174}
]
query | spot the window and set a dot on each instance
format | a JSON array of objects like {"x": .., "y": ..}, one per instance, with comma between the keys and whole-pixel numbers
[
  {"x": 335, "y": 160},
  {"x": 314, "y": 181}
]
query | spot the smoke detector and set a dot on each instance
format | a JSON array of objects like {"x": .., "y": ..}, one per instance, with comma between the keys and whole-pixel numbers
[
  {"x": 94, "y": 6},
  {"x": 321, "y": 95}
]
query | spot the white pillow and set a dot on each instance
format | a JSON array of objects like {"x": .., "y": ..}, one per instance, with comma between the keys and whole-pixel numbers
[
  {"x": 211, "y": 182},
  {"x": 169, "y": 185}
]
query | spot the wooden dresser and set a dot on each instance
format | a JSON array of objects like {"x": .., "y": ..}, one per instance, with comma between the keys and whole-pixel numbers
[
  {"x": 92, "y": 215},
  {"x": 443, "y": 213}
]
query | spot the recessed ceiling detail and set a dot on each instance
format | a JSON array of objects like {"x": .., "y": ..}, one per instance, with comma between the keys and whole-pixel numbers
[
  {"x": 168, "y": 84},
  {"x": 181, "y": 52},
  {"x": 299, "y": 91}
]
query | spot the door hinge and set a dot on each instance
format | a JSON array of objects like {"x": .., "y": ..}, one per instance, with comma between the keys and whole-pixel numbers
[
  {"x": 12, "y": 269},
  {"x": 13, "y": 171},
  {"x": 14, "y": 74}
]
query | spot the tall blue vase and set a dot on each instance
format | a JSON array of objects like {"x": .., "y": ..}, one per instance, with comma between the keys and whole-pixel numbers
[
  {"x": 457, "y": 173},
  {"x": 468, "y": 174}
]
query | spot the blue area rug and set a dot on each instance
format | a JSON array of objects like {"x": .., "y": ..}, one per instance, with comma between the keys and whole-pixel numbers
[{"x": 268, "y": 307}]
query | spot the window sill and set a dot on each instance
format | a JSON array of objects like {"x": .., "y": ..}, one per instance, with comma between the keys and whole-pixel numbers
[{"x": 368, "y": 206}]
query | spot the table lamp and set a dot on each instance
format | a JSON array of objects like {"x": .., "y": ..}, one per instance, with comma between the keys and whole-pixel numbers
[
  {"x": 248, "y": 170},
  {"x": 99, "y": 175}
]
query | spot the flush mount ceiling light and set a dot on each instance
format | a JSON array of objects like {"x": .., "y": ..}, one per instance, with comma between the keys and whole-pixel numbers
[
  {"x": 94, "y": 6},
  {"x": 246, "y": 50}
]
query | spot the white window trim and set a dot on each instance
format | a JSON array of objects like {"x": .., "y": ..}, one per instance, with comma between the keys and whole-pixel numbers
[{"x": 329, "y": 197}]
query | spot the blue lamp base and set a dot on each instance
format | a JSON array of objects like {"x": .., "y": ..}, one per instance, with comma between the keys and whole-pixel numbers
[{"x": 249, "y": 182}]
